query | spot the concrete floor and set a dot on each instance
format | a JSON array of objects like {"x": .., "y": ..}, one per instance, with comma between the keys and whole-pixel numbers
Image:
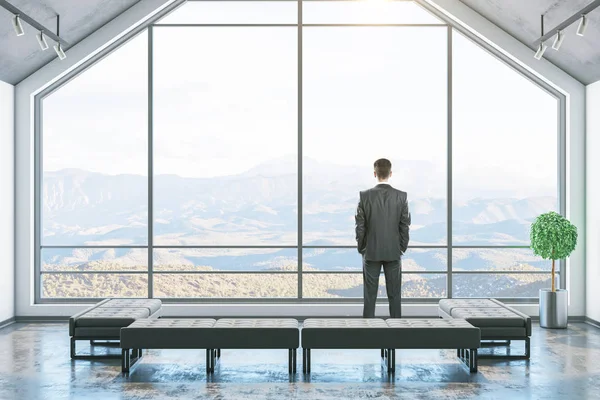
[{"x": 35, "y": 364}]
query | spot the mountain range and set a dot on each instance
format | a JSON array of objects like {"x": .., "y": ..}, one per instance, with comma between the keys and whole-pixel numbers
[{"x": 259, "y": 207}]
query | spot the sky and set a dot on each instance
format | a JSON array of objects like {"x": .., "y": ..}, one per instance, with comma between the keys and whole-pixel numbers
[{"x": 225, "y": 99}]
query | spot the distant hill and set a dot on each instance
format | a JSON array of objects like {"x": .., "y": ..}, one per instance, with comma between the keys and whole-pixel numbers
[{"x": 260, "y": 207}]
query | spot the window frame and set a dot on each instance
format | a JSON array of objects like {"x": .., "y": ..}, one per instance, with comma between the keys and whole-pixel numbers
[{"x": 451, "y": 26}]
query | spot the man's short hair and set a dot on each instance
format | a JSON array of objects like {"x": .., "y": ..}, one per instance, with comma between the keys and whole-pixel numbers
[{"x": 383, "y": 167}]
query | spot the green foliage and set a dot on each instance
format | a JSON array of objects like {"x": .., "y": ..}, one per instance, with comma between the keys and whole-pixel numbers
[{"x": 553, "y": 236}]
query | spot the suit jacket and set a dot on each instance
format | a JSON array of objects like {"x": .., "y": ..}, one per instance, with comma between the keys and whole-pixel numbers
[{"x": 382, "y": 223}]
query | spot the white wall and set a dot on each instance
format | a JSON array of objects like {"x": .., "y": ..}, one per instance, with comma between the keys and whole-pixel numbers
[
  {"x": 573, "y": 90},
  {"x": 593, "y": 201},
  {"x": 7, "y": 204}
]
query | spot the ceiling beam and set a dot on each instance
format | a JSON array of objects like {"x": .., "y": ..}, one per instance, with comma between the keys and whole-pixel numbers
[
  {"x": 584, "y": 11},
  {"x": 47, "y": 32}
]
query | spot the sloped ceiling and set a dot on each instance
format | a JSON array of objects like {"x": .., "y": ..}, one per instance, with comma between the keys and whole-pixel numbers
[
  {"x": 20, "y": 56},
  {"x": 578, "y": 56}
]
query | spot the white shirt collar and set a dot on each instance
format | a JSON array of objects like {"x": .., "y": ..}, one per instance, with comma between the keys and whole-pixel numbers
[{"x": 382, "y": 183}]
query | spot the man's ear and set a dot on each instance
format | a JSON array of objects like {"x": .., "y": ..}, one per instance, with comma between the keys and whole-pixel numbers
[
  {"x": 375, "y": 174},
  {"x": 390, "y": 174}
]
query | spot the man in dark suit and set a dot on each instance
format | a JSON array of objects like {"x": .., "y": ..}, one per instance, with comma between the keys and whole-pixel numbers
[{"x": 382, "y": 226}]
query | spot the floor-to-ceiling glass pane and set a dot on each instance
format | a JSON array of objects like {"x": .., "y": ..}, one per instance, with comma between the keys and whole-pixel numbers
[
  {"x": 94, "y": 151},
  {"x": 369, "y": 93},
  {"x": 225, "y": 136},
  {"x": 505, "y": 154}
]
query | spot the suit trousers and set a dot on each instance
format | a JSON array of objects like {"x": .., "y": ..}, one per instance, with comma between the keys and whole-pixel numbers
[{"x": 393, "y": 279}]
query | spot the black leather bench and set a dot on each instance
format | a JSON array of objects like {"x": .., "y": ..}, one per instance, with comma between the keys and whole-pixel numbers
[
  {"x": 165, "y": 334},
  {"x": 389, "y": 335},
  {"x": 499, "y": 323},
  {"x": 211, "y": 335},
  {"x": 103, "y": 322}
]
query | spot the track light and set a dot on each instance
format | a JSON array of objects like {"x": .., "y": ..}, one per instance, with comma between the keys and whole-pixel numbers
[
  {"x": 540, "y": 51},
  {"x": 41, "y": 38},
  {"x": 582, "y": 26},
  {"x": 558, "y": 40},
  {"x": 59, "y": 52},
  {"x": 17, "y": 25}
]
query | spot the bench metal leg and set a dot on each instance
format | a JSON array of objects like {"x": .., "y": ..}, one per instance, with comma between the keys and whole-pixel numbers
[
  {"x": 136, "y": 353},
  {"x": 210, "y": 361},
  {"x": 75, "y": 356},
  {"x": 391, "y": 360},
  {"x": 473, "y": 360},
  {"x": 129, "y": 358},
  {"x": 303, "y": 360},
  {"x": 125, "y": 361},
  {"x": 525, "y": 356},
  {"x": 295, "y": 360},
  {"x": 292, "y": 361},
  {"x": 216, "y": 354},
  {"x": 306, "y": 361},
  {"x": 469, "y": 358}
]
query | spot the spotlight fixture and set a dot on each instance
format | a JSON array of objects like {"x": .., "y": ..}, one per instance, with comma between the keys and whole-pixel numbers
[
  {"x": 59, "y": 52},
  {"x": 17, "y": 25},
  {"x": 582, "y": 26},
  {"x": 558, "y": 40},
  {"x": 558, "y": 33},
  {"x": 41, "y": 38},
  {"x": 540, "y": 51}
]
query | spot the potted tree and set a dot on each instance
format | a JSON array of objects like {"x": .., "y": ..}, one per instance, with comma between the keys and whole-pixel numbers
[{"x": 553, "y": 237}]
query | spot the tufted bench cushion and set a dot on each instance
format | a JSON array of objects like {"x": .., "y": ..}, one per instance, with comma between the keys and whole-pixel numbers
[
  {"x": 433, "y": 334},
  {"x": 153, "y": 305},
  {"x": 495, "y": 322},
  {"x": 166, "y": 334},
  {"x": 261, "y": 333},
  {"x": 104, "y": 320},
  {"x": 353, "y": 333},
  {"x": 109, "y": 317},
  {"x": 447, "y": 305}
]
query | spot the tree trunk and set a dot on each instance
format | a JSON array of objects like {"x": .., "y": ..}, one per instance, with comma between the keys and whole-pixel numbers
[{"x": 553, "y": 288}]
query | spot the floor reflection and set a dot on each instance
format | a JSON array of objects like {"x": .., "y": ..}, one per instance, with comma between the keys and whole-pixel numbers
[{"x": 35, "y": 364}]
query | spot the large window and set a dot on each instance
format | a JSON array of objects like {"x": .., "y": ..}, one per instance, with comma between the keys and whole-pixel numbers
[{"x": 218, "y": 155}]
